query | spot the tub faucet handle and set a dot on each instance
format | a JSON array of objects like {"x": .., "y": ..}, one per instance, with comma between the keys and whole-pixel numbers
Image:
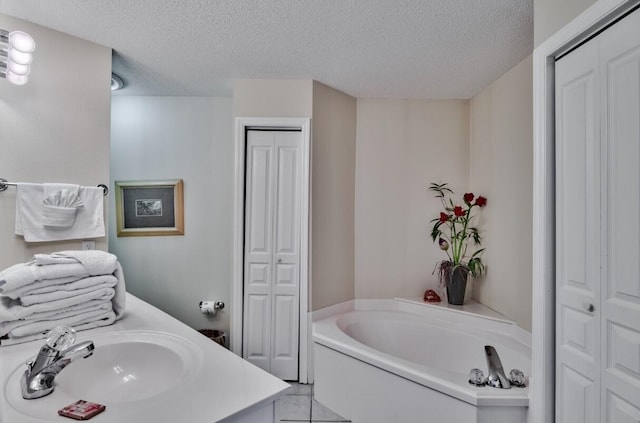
[
  {"x": 476, "y": 377},
  {"x": 517, "y": 378}
]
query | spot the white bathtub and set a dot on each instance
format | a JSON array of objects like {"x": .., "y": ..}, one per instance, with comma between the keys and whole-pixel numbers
[{"x": 411, "y": 364}]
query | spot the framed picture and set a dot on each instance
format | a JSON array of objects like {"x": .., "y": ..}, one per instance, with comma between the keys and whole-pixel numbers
[{"x": 149, "y": 208}]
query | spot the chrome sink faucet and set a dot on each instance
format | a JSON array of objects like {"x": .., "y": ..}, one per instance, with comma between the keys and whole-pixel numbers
[
  {"x": 56, "y": 354},
  {"x": 496, "y": 377}
]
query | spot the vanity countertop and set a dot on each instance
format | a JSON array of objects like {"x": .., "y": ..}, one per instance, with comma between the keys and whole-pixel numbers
[{"x": 226, "y": 387}]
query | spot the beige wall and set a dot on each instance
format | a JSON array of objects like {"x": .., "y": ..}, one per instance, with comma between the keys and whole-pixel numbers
[
  {"x": 272, "y": 98},
  {"x": 551, "y": 15},
  {"x": 501, "y": 168},
  {"x": 333, "y": 196},
  {"x": 333, "y": 115},
  {"x": 401, "y": 147},
  {"x": 55, "y": 128}
]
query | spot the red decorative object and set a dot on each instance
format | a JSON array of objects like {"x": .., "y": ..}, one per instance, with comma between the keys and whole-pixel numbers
[{"x": 430, "y": 296}]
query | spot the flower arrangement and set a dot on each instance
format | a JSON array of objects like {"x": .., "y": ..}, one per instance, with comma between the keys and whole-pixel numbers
[{"x": 454, "y": 232}]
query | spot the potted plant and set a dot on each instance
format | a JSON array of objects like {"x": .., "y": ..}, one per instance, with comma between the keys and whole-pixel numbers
[{"x": 454, "y": 232}]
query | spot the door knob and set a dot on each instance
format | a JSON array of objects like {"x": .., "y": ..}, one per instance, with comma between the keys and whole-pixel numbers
[
  {"x": 279, "y": 260},
  {"x": 589, "y": 307}
]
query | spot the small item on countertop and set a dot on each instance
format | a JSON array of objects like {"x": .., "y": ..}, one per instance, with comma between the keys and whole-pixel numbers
[
  {"x": 82, "y": 410},
  {"x": 430, "y": 296}
]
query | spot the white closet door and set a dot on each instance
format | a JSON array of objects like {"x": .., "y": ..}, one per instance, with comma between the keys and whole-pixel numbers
[
  {"x": 258, "y": 249},
  {"x": 620, "y": 70},
  {"x": 272, "y": 252},
  {"x": 284, "y": 359},
  {"x": 598, "y": 228},
  {"x": 577, "y": 237}
]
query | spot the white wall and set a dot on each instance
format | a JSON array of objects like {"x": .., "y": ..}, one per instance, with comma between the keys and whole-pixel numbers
[
  {"x": 55, "y": 128},
  {"x": 501, "y": 169},
  {"x": 189, "y": 138},
  {"x": 401, "y": 147},
  {"x": 551, "y": 15}
]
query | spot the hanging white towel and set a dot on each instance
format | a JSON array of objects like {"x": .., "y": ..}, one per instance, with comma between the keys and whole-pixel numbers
[
  {"x": 60, "y": 205},
  {"x": 30, "y": 218}
]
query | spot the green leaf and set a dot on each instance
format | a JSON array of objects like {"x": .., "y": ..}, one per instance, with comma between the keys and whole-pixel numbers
[
  {"x": 476, "y": 267},
  {"x": 476, "y": 236},
  {"x": 477, "y": 253},
  {"x": 440, "y": 189}
]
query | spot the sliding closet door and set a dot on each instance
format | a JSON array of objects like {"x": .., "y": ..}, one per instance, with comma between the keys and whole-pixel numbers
[
  {"x": 578, "y": 237},
  {"x": 620, "y": 69},
  {"x": 272, "y": 251},
  {"x": 598, "y": 228}
]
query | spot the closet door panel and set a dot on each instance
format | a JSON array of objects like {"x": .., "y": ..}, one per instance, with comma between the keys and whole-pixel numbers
[
  {"x": 258, "y": 250},
  {"x": 620, "y": 69},
  {"x": 577, "y": 392},
  {"x": 256, "y": 332},
  {"x": 577, "y": 237},
  {"x": 287, "y": 255},
  {"x": 621, "y": 411}
]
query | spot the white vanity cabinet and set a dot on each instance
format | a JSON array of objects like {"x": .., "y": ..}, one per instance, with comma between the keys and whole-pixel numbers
[{"x": 212, "y": 383}]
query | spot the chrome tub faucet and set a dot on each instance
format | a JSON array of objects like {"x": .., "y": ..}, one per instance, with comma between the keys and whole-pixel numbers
[
  {"x": 496, "y": 377},
  {"x": 57, "y": 353}
]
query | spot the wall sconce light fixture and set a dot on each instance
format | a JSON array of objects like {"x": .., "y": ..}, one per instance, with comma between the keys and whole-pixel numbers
[
  {"x": 15, "y": 56},
  {"x": 116, "y": 82}
]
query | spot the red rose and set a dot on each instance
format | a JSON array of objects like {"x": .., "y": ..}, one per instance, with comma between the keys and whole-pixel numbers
[
  {"x": 481, "y": 201},
  {"x": 468, "y": 197},
  {"x": 443, "y": 217},
  {"x": 457, "y": 210}
]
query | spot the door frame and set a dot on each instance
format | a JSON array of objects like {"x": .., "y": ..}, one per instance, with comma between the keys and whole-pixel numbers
[
  {"x": 601, "y": 14},
  {"x": 242, "y": 124}
]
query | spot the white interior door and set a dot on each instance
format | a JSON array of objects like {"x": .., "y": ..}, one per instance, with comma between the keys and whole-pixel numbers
[
  {"x": 577, "y": 237},
  {"x": 598, "y": 228},
  {"x": 272, "y": 251},
  {"x": 620, "y": 326}
]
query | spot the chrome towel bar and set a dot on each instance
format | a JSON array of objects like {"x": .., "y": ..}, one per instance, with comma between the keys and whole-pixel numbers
[{"x": 4, "y": 184}]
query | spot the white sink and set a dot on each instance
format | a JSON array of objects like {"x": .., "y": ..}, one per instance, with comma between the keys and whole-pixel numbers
[{"x": 127, "y": 369}]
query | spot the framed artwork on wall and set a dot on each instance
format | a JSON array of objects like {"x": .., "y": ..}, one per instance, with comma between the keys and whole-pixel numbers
[{"x": 149, "y": 208}]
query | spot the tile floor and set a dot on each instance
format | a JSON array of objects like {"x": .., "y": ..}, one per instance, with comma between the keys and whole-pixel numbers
[{"x": 299, "y": 406}]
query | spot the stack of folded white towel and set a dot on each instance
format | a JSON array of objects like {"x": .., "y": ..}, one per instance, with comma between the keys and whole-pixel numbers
[{"x": 81, "y": 289}]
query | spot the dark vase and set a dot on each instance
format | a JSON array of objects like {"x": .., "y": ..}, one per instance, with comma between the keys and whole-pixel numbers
[{"x": 457, "y": 284}]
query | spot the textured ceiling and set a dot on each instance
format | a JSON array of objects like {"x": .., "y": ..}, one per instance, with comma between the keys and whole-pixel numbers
[{"x": 366, "y": 48}]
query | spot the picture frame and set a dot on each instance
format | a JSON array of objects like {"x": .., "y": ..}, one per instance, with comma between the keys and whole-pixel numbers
[{"x": 149, "y": 208}]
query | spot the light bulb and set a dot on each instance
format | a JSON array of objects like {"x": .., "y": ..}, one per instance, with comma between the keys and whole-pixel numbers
[
  {"x": 20, "y": 57},
  {"x": 21, "y": 41},
  {"x": 18, "y": 69},
  {"x": 16, "y": 79}
]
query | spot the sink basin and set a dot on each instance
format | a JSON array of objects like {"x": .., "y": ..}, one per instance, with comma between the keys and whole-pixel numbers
[{"x": 128, "y": 367}]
